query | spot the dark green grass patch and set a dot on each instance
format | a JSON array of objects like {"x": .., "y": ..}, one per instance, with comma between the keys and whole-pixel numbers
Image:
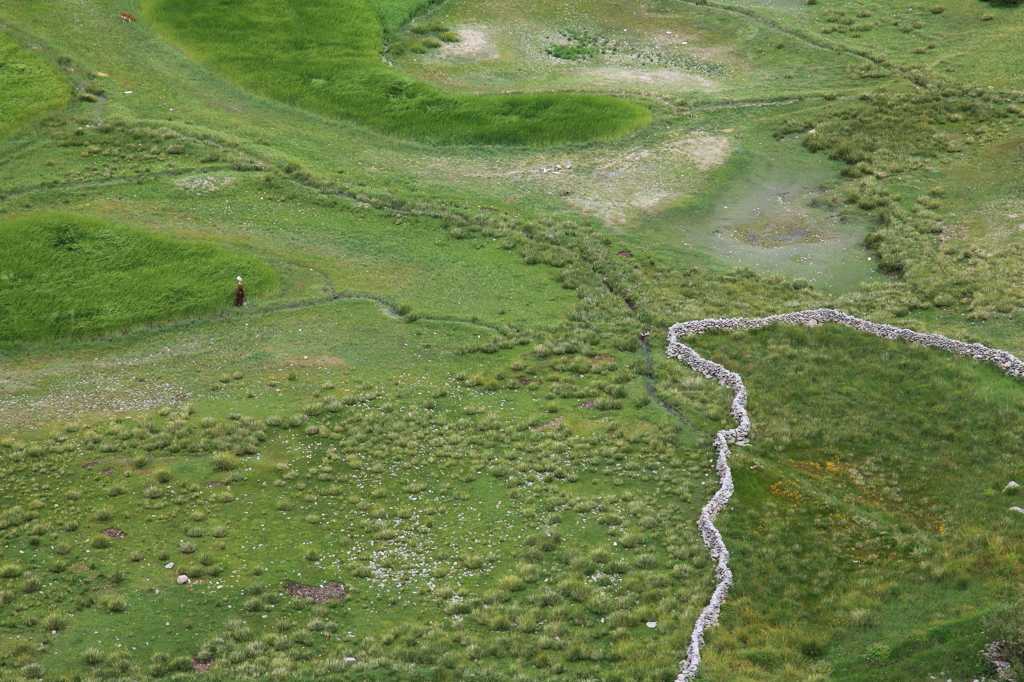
[
  {"x": 394, "y": 13},
  {"x": 326, "y": 58},
  {"x": 29, "y": 85},
  {"x": 65, "y": 276}
]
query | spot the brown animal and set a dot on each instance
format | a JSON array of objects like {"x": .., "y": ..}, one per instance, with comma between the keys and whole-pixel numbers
[{"x": 127, "y": 17}]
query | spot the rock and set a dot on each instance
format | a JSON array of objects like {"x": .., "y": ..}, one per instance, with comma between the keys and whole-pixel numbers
[
  {"x": 1012, "y": 487},
  {"x": 349, "y": 659},
  {"x": 652, "y": 624},
  {"x": 170, "y": 565},
  {"x": 1017, "y": 509},
  {"x": 811, "y": 323},
  {"x": 182, "y": 579}
]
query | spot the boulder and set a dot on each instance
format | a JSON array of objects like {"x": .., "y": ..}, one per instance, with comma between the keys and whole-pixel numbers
[{"x": 182, "y": 579}]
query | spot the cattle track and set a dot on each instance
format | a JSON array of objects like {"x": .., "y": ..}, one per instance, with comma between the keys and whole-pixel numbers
[{"x": 1006, "y": 361}]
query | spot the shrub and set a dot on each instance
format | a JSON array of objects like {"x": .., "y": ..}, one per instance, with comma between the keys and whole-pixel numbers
[
  {"x": 101, "y": 542},
  {"x": 187, "y": 547},
  {"x": 225, "y": 461},
  {"x": 863, "y": 618},
  {"x": 632, "y": 540},
  {"x": 54, "y": 621},
  {"x": 10, "y": 570},
  {"x": 92, "y": 656},
  {"x": 114, "y": 603},
  {"x": 431, "y": 43},
  {"x": 878, "y": 654}
]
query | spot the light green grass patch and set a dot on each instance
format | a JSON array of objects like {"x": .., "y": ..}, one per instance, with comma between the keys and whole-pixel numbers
[
  {"x": 66, "y": 276},
  {"x": 29, "y": 85}
]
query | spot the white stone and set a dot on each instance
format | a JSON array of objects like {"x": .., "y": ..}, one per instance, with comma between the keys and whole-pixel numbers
[
  {"x": 170, "y": 565},
  {"x": 182, "y": 579},
  {"x": 349, "y": 659},
  {"x": 1017, "y": 509},
  {"x": 1012, "y": 485},
  {"x": 652, "y": 624}
]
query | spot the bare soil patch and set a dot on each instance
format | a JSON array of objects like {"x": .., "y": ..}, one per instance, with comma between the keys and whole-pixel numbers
[
  {"x": 331, "y": 590},
  {"x": 473, "y": 43},
  {"x": 114, "y": 532},
  {"x": 553, "y": 424}
]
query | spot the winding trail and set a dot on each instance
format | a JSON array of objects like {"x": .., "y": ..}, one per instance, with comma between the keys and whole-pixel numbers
[{"x": 712, "y": 370}]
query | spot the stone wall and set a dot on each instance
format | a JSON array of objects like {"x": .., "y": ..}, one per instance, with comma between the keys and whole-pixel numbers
[{"x": 712, "y": 370}]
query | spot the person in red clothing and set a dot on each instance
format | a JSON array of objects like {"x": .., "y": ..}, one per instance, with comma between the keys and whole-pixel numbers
[{"x": 239, "y": 294}]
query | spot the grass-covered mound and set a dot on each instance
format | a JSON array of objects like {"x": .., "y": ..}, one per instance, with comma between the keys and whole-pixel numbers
[
  {"x": 326, "y": 57},
  {"x": 29, "y": 85},
  {"x": 67, "y": 276}
]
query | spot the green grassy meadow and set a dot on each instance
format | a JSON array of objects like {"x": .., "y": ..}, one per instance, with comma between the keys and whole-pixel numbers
[
  {"x": 67, "y": 276},
  {"x": 464, "y": 229},
  {"x": 893, "y": 496},
  {"x": 29, "y": 86},
  {"x": 326, "y": 58}
]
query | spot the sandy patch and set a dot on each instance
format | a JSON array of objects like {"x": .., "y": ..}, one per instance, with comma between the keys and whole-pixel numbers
[
  {"x": 616, "y": 76},
  {"x": 329, "y": 591},
  {"x": 647, "y": 179},
  {"x": 615, "y": 187},
  {"x": 473, "y": 44},
  {"x": 318, "y": 361},
  {"x": 203, "y": 184},
  {"x": 703, "y": 150}
]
